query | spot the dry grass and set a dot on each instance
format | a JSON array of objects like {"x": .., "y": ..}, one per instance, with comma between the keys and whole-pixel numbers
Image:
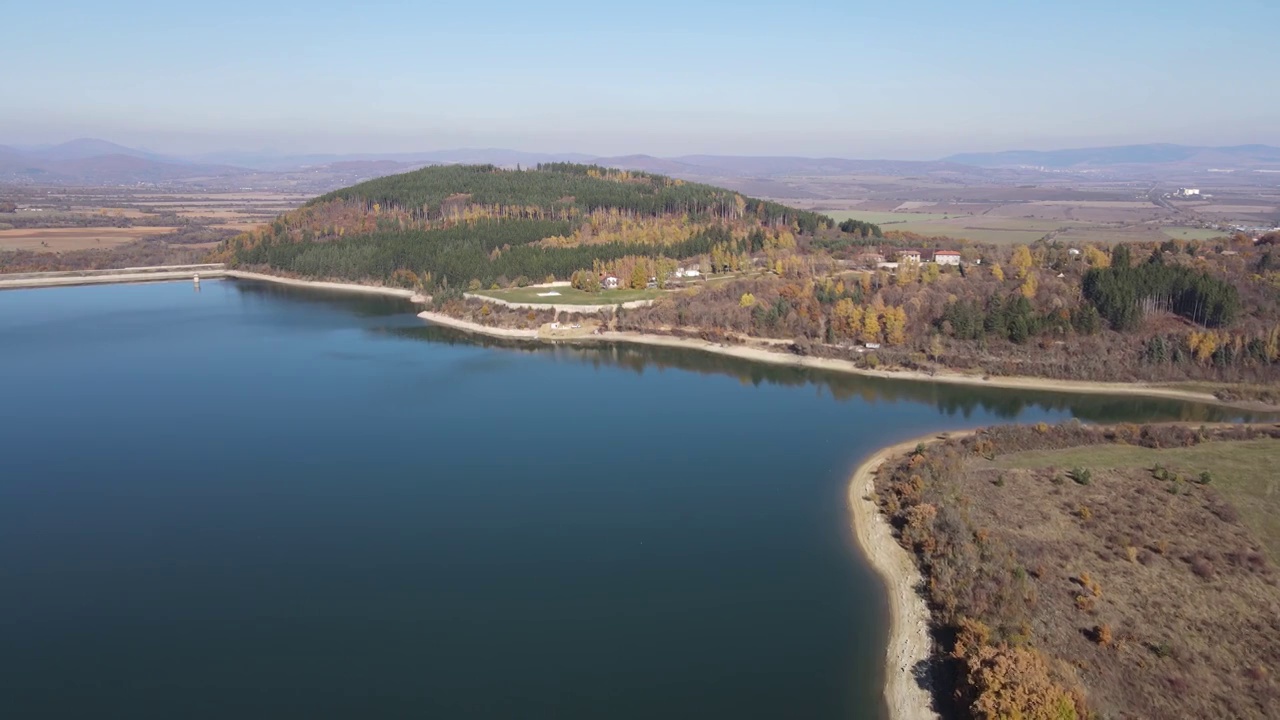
[
  {"x": 67, "y": 239},
  {"x": 1189, "y": 604},
  {"x": 1141, "y": 582},
  {"x": 1245, "y": 473}
]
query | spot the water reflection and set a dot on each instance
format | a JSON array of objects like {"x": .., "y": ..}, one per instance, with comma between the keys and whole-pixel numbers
[{"x": 396, "y": 317}]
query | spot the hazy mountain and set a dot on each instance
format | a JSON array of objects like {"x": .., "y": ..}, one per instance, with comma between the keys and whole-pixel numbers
[
  {"x": 85, "y": 148},
  {"x": 266, "y": 160},
  {"x": 1240, "y": 156},
  {"x": 88, "y": 161}
]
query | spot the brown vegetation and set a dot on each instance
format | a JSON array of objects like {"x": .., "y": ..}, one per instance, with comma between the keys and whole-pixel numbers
[{"x": 1156, "y": 602}]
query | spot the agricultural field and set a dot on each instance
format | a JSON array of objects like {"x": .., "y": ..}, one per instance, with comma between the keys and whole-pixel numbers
[
  {"x": 1083, "y": 222},
  {"x": 568, "y": 295},
  {"x": 59, "y": 228},
  {"x": 1191, "y": 233},
  {"x": 63, "y": 239}
]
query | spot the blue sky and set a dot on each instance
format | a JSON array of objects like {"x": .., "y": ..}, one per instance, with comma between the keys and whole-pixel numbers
[{"x": 817, "y": 77}]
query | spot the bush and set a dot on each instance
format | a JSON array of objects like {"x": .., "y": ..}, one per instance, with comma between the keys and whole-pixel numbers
[
  {"x": 1081, "y": 476},
  {"x": 1206, "y": 477}
]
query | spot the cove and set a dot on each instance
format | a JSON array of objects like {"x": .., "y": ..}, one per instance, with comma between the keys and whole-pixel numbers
[{"x": 261, "y": 501}]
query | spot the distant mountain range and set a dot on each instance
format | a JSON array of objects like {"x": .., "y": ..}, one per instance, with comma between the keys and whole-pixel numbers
[
  {"x": 1235, "y": 157},
  {"x": 99, "y": 162}
]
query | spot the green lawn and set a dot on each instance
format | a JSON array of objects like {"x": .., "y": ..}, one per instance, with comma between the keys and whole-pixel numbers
[
  {"x": 569, "y": 296},
  {"x": 1245, "y": 472}
]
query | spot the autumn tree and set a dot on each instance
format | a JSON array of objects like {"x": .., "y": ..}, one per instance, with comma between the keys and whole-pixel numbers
[
  {"x": 1022, "y": 260},
  {"x": 895, "y": 325},
  {"x": 870, "y": 327}
]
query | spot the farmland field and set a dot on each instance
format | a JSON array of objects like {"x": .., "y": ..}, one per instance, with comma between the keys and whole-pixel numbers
[
  {"x": 1187, "y": 233},
  {"x": 75, "y": 238}
]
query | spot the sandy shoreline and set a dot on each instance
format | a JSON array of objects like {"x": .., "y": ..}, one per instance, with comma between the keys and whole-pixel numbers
[
  {"x": 759, "y": 354},
  {"x": 453, "y": 322},
  {"x": 344, "y": 287},
  {"x": 909, "y": 640}
]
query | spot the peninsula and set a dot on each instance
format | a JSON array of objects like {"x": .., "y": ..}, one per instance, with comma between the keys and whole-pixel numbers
[{"x": 631, "y": 255}]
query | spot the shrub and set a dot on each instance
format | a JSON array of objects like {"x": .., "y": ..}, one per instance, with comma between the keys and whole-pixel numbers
[
  {"x": 1000, "y": 480},
  {"x": 1084, "y": 512},
  {"x": 1081, "y": 476},
  {"x": 1102, "y": 635},
  {"x": 1206, "y": 477}
]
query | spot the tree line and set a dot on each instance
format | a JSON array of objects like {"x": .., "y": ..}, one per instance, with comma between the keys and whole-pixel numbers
[
  {"x": 488, "y": 251},
  {"x": 1124, "y": 294},
  {"x": 426, "y": 193}
]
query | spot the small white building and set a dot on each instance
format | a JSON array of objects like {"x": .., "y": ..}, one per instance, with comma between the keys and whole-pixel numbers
[
  {"x": 609, "y": 282},
  {"x": 1073, "y": 251},
  {"x": 692, "y": 272},
  {"x": 1188, "y": 192},
  {"x": 908, "y": 256},
  {"x": 871, "y": 346},
  {"x": 946, "y": 257}
]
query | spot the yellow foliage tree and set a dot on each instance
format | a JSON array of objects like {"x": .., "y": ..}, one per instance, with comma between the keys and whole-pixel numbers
[
  {"x": 747, "y": 300},
  {"x": 1022, "y": 260},
  {"x": 1203, "y": 344},
  {"x": 846, "y": 318},
  {"x": 997, "y": 272},
  {"x": 895, "y": 325},
  {"x": 1096, "y": 258},
  {"x": 870, "y": 327},
  {"x": 1029, "y": 286}
]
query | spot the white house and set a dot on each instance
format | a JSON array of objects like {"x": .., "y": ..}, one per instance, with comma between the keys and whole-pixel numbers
[
  {"x": 909, "y": 256},
  {"x": 692, "y": 272},
  {"x": 1073, "y": 251},
  {"x": 1188, "y": 192},
  {"x": 609, "y": 282},
  {"x": 946, "y": 257}
]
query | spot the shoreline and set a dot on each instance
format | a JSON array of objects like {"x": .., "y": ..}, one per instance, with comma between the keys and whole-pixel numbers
[
  {"x": 909, "y": 640},
  {"x": 757, "y": 354},
  {"x": 743, "y": 352}
]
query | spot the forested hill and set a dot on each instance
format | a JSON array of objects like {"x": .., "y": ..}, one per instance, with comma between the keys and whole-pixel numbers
[
  {"x": 559, "y": 187},
  {"x": 479, "y": 224}
]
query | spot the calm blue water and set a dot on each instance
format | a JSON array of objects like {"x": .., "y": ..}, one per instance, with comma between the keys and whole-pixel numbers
[{"x": 256, "y": 502}]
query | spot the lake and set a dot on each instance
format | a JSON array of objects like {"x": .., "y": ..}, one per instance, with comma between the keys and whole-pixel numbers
[{"x": 254, "y": 501}]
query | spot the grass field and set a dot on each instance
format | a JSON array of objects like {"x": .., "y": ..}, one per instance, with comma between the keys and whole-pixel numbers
[
  {"x": 1245, "y": 472},
  {"x": 1186, "y": 233},
  {"x": 569, "y": 296}
]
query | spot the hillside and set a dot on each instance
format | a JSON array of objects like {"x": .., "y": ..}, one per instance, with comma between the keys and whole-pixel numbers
[{"x": 480, "y": 225}]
